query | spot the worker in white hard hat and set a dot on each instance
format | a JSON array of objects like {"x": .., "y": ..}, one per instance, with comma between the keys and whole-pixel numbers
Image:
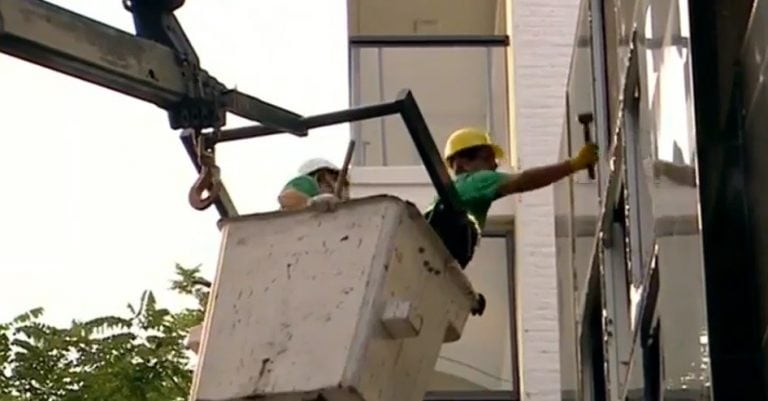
[
  {"x": 473, "y": 159},
  {"x": 314, "y": 186}
]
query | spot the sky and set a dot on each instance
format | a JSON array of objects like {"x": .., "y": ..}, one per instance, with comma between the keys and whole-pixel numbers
[{"x": 94, "y": 201}]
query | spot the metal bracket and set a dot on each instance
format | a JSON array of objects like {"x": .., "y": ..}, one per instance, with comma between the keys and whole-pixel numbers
[{"x": 405, "y": 105}]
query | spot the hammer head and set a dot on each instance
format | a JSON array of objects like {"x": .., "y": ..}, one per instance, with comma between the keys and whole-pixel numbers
[{"x": 585, "y": 118}]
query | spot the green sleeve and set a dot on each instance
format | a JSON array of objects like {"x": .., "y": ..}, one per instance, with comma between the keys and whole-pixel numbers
[
  {"x": 304, "y": 184},
  {"x": 483, "y": 185}
]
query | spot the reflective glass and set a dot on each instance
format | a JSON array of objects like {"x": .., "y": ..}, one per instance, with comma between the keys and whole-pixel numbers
[
  {"x": 565, "y": 277},
  {"x": 661, "y": 212},
  {"x": 585, "y": 190},
  {"x": 455, "y": 87},
  {"x": 483, "y": 358},
  {"x": 668, "y": 159},
  {"x": 756, "y": 142}
]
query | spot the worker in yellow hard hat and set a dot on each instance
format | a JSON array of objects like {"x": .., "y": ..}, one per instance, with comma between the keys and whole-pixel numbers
[
  {"x": 473, "y": 159},
  {"x": 313, "y": 186}
]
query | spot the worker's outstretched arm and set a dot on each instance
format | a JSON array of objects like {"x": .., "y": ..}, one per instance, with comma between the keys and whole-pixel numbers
[{"x": 540, "y": 177}]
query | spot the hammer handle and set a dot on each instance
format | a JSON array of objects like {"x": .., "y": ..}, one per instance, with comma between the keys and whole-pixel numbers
[
  {"x": 344, "y": 168},
  {"x": 585, "y": 120}
]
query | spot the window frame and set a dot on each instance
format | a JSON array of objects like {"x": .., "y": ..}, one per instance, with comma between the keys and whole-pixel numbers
[
  {"x": 496, "y": 395},
  {"x": 380, "y": 42},
  {"x": 377, "y": 41},
  {"x": 474, "y": 395}
]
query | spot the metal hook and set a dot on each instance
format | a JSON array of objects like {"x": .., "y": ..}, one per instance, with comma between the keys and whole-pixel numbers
[{"x": 209, "y": 179}]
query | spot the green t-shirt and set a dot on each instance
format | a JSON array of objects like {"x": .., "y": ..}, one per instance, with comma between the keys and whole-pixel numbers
[
  {"x": 477, "y": 191},
  {"x": 304, "y": 184}
]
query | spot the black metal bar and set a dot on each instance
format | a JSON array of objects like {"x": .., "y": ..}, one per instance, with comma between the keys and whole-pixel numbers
[
  {"x": 417, "y": 127},
  {"x": 597, "y": 350},
  {"x": 600, "y": 84},
  {"x": 321, "y": 120},
  {"x": 508, "y": 235},
  {"x": 496, "y": 232},
  {"x": 512, "y": 292},
  {"x": 430, "y": 155},
  {"x": 652, "y": 366},
  {"x": 649, "y": 300},
  {"x": 223, "y": 203},
  {"x": 471, "y": 395},
  {"x": 429, "y": 40},
  {"x": 633, "y": 70},
  {"x": 255, "y": 109}
]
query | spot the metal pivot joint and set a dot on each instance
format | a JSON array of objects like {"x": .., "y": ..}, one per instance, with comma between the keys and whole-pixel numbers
[
  {"x": 405, "y": 106},
  {"x": 205, "y": 101},
  {"x": 202, "y": 106}
]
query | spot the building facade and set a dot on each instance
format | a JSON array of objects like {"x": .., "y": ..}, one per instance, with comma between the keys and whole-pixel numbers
[
  {"x": 661, "y": 257},
  {"x": 499, "y": 65}
]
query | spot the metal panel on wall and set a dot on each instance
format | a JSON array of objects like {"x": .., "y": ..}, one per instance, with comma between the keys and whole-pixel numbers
[{"x": 650, "y": 157}]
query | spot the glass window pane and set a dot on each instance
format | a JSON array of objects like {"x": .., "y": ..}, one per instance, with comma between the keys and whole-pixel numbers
[
  {"x": 454, "y": 87},
  {"x": 482, "y": 359},
  {"x": 566, "y": 286},
  {"x": 585, "y": 190}
]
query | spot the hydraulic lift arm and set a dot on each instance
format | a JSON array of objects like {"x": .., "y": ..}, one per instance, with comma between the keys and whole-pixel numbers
[
  {"x": 159, "y": 65},
  {"x": 142, "y": 66},
  {"x": 405, "y": 106}
]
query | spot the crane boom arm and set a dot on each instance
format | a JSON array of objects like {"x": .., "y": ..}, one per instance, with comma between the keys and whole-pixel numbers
[
  {"x": 158, "y": 65},
  {"x": 51, "y": 36}
]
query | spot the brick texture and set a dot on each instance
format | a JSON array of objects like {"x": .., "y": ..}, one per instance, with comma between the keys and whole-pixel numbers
[{"x": 543, "y": 32}]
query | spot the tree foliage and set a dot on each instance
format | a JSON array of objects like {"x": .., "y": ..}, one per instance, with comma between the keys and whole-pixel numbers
[{"x": 136, "y": 357}]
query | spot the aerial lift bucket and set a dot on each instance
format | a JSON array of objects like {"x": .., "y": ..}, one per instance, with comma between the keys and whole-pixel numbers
[{"x": 352, "y": 305}]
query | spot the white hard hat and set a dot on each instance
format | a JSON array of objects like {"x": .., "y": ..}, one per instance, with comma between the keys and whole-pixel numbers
[{"x": 312, "y": 165}]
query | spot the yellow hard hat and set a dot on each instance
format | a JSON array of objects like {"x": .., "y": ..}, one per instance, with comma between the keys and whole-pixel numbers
[{"x": 466, "y": 138}]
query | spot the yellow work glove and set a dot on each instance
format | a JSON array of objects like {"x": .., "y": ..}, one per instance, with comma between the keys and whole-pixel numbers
[{"x": 586, "y": 157}]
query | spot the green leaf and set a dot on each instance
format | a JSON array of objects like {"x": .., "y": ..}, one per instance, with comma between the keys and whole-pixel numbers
[
  {"x": 139, "y": 357},
  {"x": 28, "y": 316}
]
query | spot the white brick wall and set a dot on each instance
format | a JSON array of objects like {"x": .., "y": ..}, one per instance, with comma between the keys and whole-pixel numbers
[{"x": 542, "y": 39}]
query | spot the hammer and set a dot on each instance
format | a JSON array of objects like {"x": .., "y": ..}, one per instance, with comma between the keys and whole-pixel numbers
[{"x": 586, "y": 119}]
